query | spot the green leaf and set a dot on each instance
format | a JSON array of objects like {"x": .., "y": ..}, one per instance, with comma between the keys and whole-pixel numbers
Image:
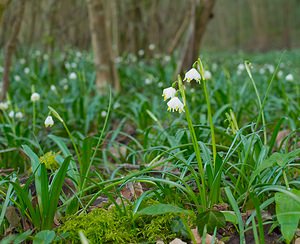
[
  {"x": 211, "y": 219},
  {"x": 44, "y": 237},
  {"x": 230, "y": 216},
  {"x": 161, "y": 208},
  {"x": 288, "y": 213}
]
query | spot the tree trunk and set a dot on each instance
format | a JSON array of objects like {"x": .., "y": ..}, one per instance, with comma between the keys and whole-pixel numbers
[
  {"x": 3, "y": 4},
  {"x": 11, "y": 47},
  {"x": 200, "y": 17},
  {"x": 100, "y": 28}
]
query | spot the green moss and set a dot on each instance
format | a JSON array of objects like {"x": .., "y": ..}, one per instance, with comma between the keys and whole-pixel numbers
[
  {"x": 107, "y": 226},
  {"x": 49, "y": 160}
]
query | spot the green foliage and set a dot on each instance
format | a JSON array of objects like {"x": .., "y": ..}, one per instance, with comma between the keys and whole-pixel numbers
[
  {"x": 288, "y": 213},
  {"x": 211, "y": 219}
]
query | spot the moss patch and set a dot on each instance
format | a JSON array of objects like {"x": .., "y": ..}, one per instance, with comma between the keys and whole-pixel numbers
[{"x": 109, "y": 226}]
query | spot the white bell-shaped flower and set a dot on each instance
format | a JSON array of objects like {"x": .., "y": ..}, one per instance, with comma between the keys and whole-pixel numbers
[
  {"x": 11, "y": 114},
  {"x": 207, "y": 75},
  {"x": 73, "y": 76},
  {"x": 175, "y": 105},
  {"x": 169, "y": 93},
  {"x": 49, "y": 121},
  {"x": 289, "y": 77},
  {"x": 3, "y": 105},
  {"x": 192, "y": 74},
  {"x": 35, "y": 97},
  {"x": 19, "y": 115}
]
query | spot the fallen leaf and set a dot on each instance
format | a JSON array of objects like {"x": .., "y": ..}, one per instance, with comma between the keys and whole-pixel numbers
[{"x": 177, "y": 241}]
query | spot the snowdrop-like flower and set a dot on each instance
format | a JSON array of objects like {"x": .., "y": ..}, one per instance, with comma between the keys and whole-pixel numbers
[
  {"x": 45, "y": 57},
  {"x": 167, "y": 58},
  {"x": 118, "y": 60},
  {"x": 279, "y": 74},
  {"x": 141, "y": 52},
  {"x": 22, "y": 61},
  {"x": 151, "y": 46},
  {"x": 262, "y": 71},
  {"x": 214, "y": 67},
  {"x": 53, "y": 88},
  {"x": 73, "y": 76},
  {"x": 270, "y": 68},
  {"x": 241, "y": 67},
  {"x": 26, "y": 70},
  {"x": 19, "y": 115},
  {"x": 17, "y": 78},
  {"x": 78, "y": 54},
  {"x": 148, "y": 81},
  {"x": 3, "y": 106},
  {"x": 37, "y": 53},
  {"x": 192, "y": 74},
  {"x": 35, "y": 97},
  {"x": 103, "y": 114},
  {"x": 289, "y": 77},
  {"x": 175, "y": 105},
  {"x": 169, "y": 93},
  {"x": 11, "y": 114},
  {"x": 207, "y": 75},
  {"x": 160, "y": 84},
  {"x": 73, "y": 65},
  {"x": 49, "y": 121},
  {"x": 66, "y": 87}
]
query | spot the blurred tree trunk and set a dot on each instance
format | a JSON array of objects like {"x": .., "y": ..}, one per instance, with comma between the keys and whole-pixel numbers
[
  {"x": 3, "y": 5},
  {"x": 100, "y": 27},
  {"x": 11, "y": 47},
  {"x": 201, "y": 13},
  {"x": 286, "y": 25},
  {"x": 259, "y": 23}
]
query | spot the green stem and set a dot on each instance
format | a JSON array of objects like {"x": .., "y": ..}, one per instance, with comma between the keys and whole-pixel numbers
[
  {"x": 211, "y": 124},
  {"x": 195, "y": 143},
  {"x": 33, "y": 117}
]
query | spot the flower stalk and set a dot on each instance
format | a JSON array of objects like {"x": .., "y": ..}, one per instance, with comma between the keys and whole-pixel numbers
[{"x": 195, "y": 143}]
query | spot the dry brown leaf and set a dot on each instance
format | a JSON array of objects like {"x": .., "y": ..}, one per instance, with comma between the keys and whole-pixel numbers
[
  {"x": 208, "y": 238},
  {"x": 13, "y": 217},
  {"x": 177, "y": 241}
]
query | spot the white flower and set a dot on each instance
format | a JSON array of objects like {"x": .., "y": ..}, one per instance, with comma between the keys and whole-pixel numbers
[
  {"x": 160, "y": 84},
  {"x": 241, "y": 67},
  {"x": 35, "y": 97},
  {"x": 17, "y": 78},
  {"x": 49, "y": 121},
  {"x": 53, "y": 88},
  {"x": 66, "y": 87},
  {"x": 175, "y": 105},
  {"x": 151, "y": 46},
  {"x": 74, "y": 65},
  {"x": 45, "y": 56},
  {"x": 19, "y": 115},
  {"x": 3, "y": 105},
  {"x": 1, "y": 69},
  {"x": 148, "y": 81},
  {"x": 192, "y": 74},
  {"x": 279, "y": 74},
  {"x": 289, "y": 77},
  {"x": 11, "y": 114},
  {"x": 207, "y": 75},
  {"x": 103, "y": 113},
  {"x": 26, "y": 70},
  {"x": 214, "y": 67},
  {"x": 192, "y": 90},
  {"x": 262, "y": 71},
  {"x": 22, "y": 61},
  {"x": 270, "y": 68},
  {"x": 73, "y": 76},
  {"x": 141, "y": 52},
  {"x": 37, "y": 53},
  {"x": 67, "y": 65},
  {"x": 167, "y": 58},
  {"x": 169, "y": 93},
  {"x": 118, "y": 60},
  {"x": 116, "y": 105},
  {"x": 78, "y": 54}
]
